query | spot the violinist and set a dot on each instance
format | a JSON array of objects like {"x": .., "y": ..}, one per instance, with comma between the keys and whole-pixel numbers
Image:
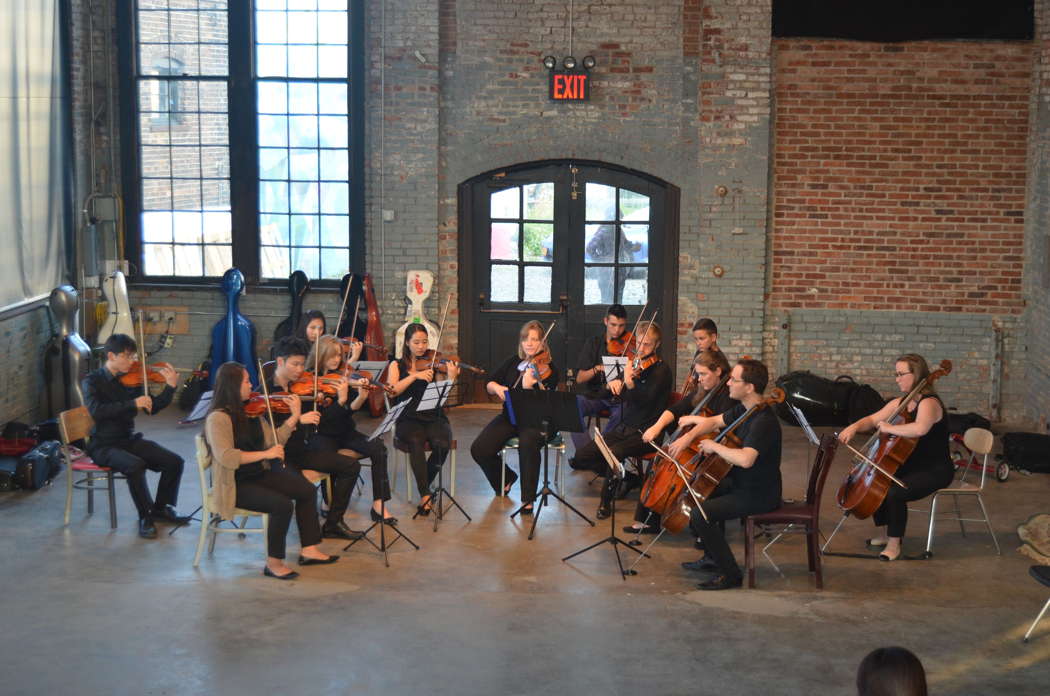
[
  {"x": 709, "y": 369},
  {"x": 530, "y": 368},
  {"x": 927, "y": 469},
  {"x": 409, "y": 378},
  {"x": 644, "y": 389},
  {"x": 337, "y": 431},
  {"x": 291, "y": 355},
  {"x": 705, "y": 334},
  {"x": 250, "y": 474},
  {"x": 754, "y": 484},
  {"x": 114, "y": 442},
  {"x": 312, "y": 325},
  {"x": 593, "y": 395}
]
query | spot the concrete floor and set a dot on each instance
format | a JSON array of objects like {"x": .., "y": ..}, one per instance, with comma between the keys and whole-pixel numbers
[{"x": 481, "y": 610}]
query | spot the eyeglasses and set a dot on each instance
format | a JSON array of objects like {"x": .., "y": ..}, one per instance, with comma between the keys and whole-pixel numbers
[{"x": 901, "y": 374}]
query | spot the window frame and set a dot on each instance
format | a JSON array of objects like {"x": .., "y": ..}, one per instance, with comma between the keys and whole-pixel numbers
[{"x": 243, "y": 148}]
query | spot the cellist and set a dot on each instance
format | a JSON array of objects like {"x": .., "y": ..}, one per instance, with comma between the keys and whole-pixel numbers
[
  {"x": 754, "y": 484},
  {"x": 927, "y": 469}
]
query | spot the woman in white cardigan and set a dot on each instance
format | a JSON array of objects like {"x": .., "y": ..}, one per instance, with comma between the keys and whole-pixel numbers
[{"x": 250, "y": 473}]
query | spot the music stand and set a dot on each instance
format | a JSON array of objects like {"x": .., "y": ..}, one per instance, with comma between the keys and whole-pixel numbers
[
  {"x": 549, "y": 411},
  {"x": 434, "y": 396},
  {"x": 613, "y": 366},
  {"x": 617, "y": 471},
  {"x": 387, "y": 423}
]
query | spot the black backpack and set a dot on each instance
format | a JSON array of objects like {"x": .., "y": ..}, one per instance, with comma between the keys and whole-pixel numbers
[
  {"x": 1029, "y": 451},
  {"x": 39, "y": 466}
]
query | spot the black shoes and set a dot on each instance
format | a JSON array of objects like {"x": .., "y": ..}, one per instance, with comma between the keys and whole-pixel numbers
[
  {"x": 648, "y": 529},
  {"x": 604, "y": 511},
  {"x": 147, "y": 530},
  {"x": 304, "y": 561},
  {"x": 423, "y": 510},
  {"x": 376, "y": 517},
  {"x": 704, "y": 564},
  {"x": 166, "y": 513},
  {"x": 721, "y": 582},
  {"x": 291, "y": 575},
  {"x": 629, "y": 483},
  {"x": 526, "y": 511},
  {"x": 339, "y": 530}
]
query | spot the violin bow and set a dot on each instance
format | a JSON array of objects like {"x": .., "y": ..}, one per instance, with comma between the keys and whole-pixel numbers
[
  {"x": 680, "y": 470},
  {"x": 269, "y": 409},
  {"x": 335, "y": 331},
  {"x": 317, "y": 359},
  {"x": 441, "y": 329},
  {"x": 353, "y": 324},
  {"x": 634, "y": 331},
  {"x": 142, "y": 353},
  {"x": 645, "y": 334},
  {"x": 543, "y": 342}
]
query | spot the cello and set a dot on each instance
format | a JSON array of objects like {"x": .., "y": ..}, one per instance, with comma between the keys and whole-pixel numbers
[
  {"x": 233, "y": 336},
  {"x": 709, "y": 471},
  {"x": 869, "y": 480}
]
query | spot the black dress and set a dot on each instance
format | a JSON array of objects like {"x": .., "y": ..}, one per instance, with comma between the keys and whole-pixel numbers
[{"x": 415, "y": 429}]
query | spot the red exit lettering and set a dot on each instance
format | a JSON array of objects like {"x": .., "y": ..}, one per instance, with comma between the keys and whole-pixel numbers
[{"x": 565, "y": 87}]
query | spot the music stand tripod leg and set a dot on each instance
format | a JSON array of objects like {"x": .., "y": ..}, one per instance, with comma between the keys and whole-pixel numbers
[
  {"x": 383, "y": 546},
  {"x": 614, "y": 540},
  {"x": 439, "y": 495},
  {"x": 546, "y": 491}
]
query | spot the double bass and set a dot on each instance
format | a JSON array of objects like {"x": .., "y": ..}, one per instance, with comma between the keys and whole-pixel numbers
[
  {"x": 368, "y": 332},
  {"x": 233, "y": 336},
  {"x": 871, "y": 476}
]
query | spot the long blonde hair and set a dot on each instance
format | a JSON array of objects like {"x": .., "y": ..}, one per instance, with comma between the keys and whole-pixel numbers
[
  {"x": 525, "y": 329},
  {"x": 328, "y": 346}
]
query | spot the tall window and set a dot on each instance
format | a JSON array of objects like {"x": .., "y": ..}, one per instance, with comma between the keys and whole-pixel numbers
[
  {"x": 616, "y": 246},
  {"x": 522, "y": 243},
  {"x": 248, "y": 124}
]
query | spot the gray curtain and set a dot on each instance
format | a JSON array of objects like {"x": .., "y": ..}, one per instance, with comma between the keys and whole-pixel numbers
[{"x": 32, "y": 150}]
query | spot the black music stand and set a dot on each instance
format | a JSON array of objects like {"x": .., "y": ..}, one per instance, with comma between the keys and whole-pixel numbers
[
  {"x": 615, "y": 476},
  {"x": 550, "y": 411},
  {"x": 434, "y": 396}
]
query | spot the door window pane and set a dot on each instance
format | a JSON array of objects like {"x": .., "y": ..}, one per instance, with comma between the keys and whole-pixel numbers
[
  {"x": 503, "y": 283},
  {"x": 539, "y": 242},
  {"x": 633, "y": 206},
  {"x": 537, "y": 284},
  {"x": 598, "y": 285},
  {"x": 634, "y": 244},
  {"x": 601, "y": 202},
  {"x": 504, "y": 241},
  {"x": 539, "y": 201},
  {"x": 634, "y": 285},
  {"x": 505, "y": 204},
  {"x": 599, "y": 243}
]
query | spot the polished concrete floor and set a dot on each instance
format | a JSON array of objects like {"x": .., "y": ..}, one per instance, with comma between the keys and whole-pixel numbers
[{"x": 481, "y": 610}]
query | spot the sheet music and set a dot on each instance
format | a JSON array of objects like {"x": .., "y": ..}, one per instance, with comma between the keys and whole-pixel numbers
[
  {"x": 615, "y": 465},
  {"x": 389, "y": 419},
  {"x": 435, "y": 395},
  {"x": 806, "y": 428},
  {"x": 200, "y": 410},
  {"x": 376, "y": 367},
  {"x": 613, "y": 366}
]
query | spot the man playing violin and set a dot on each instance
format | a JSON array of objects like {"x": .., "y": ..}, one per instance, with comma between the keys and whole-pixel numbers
[
  {"x": 753, "y": 486},
  {"x": 291, "y": 355},
  {"x": 644, "y": 389},
  {"x": 593, "y": 395},
  {"x": 115, "y": 444}
]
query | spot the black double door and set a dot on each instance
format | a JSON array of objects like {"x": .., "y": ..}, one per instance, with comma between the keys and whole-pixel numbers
[{"x": 559, "y": 242}]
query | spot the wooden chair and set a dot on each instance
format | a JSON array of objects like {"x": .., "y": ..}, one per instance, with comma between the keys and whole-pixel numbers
[
  {"x": 801, "y": 518},
  {"x": 210, "y": 517},
  {"x": 73, "y": 425}
]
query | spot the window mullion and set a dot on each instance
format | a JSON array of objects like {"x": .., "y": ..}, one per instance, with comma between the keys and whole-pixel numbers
[{"x": 244, "y": 184}]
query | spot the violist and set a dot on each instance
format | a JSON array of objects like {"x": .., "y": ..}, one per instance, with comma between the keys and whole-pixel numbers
[
  {"x": 337, "y": 432},
  {"x": 417, "y": 429},
  {"x": 644, "y": 391},
  {"x": 753, "y": 485},
  {"x": 927, "y": 469},
  {"x": 250, "y": 473},
  {"x": 524, "y": 371}
]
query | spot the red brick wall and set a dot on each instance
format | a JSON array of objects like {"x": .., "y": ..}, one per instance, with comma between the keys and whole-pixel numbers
[{"x": 899, "y": 175}]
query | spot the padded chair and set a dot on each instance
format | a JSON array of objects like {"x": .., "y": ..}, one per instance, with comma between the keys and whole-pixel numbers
[
  {"x": 1042, "y": 575},
  {"x": 556, "y": 443},
  {"x": 210, "y": 526},
  {"x": 979, "y": 441},
  {"x": 401, "y": 462},
  {"x": 803, "y": 518},
  {"x": 73, "y": 425}
]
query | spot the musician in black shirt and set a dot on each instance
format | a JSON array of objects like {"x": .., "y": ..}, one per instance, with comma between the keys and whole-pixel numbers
[
  {"x": 592, "y": 393},
  {"x": 115, "y": 444}
]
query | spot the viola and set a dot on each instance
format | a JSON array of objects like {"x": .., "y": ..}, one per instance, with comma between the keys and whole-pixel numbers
[
  {"x": 440, "y": 363},
  {"x": 134, "y": 376},
  {"x": 255, "y": 406},
  {"x": 869, "y": 479}
]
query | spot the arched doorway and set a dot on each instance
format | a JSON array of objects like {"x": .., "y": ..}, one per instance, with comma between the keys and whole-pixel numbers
[{"x": 560, "y": 241}]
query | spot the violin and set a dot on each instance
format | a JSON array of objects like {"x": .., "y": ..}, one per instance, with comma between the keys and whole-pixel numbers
[
  {"x": 255, "y": 406},
  {"x": 622, "y": 346},
  {"x": 642, "y": 364},
  {"x": 304, "y": 386},
  {"x": 134, "y": 376},
  {"x": 440, "y": 363},
  {"x": 540, "y": 364}
]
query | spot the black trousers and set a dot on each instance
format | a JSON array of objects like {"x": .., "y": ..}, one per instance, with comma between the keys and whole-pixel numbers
[
  {"x": 485, "y": 450},
  {"x": 921, "y": 481},
  {"x": 277, "y": 492},
  {"x": 372, "y": 450},
  {"x": 415, "y": 435},
  {"x": 623, "y": 443},
  {"x": 343, "y": 470},
  {"x": 132, "y": 458},
  {"x": 727, "y": 503}
]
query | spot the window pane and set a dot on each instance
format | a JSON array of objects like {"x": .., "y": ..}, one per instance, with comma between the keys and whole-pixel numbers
[
  {"x": 215, "y": 162},
  {"x": 157, "y": 259},
  {"x": 302, "y": 131},
  {"x": 217, "y": 228},
  {"x": 332, "y": 61},
  {"x": 270, "y": 27},
  {"x": 217, "y": 259},
  {"x": 302, "y": 62},
  {"x": 334, "y": 28},
  {"x": 335, "y": 263},
  {"x": 304, "y": 230},
  {"x": 539, "y": 201},
  {"x": 503, "y": 283},
  {"x": 188, "y": 260},
  {"x": 335, "y": 198},
  {"x": 273, "y": 229},
  {"x": 334, "y": 131},
  {"x": 307, "y": 260},
  {"x": 273, "y": 163},
  {"x": 186, "y": 162},
  {"x": 599, "y": 243},
  {"x": 504, "y": 241},
  {"x": 598, "y": 285},
  {"x": 302, "y": 98},
  {"x": 271, "y": 62},
  {"x": 634, "y": 244},
  {"x": 302, "y": 27},
  {"x": 537, "y": 283},
  {"x": 186, "y": 227},
  {"x": 504, "y": 204},
  {"x": 304, "y": 197},
  {"x": 156, "y": 227},
  {"x": 539, "y": 243},
  {"x": 634, "y": 285},
  {"x": 601, "y": 202},
  {"x": 273, "y": 262},
  {"x": 156, "y": 194},
  {"x": 273, "y": 97},
  {"x": 335, "y": 165},
  {"x": 273, "y": 131},
  {"x": 332, "y": 99},
  {"x": 335, "y": 232},
  {"x": 186, "y": 195},
  {"x": 304, "y": 165},
  {"x": 633, "y": 206},
  {"x": 273, "y": 196}
]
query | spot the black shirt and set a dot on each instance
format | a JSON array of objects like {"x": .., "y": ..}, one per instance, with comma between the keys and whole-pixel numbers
[
  {"x": 644, "y": 404},
  {"x": 761, "y": 432},
  {"x": 590, "y": 356},
  {"x": 414, "y": 392},
  {"x": 112, "y": 406},
  {"x": 719, "y": 403},
  {"x": 507, "y": 374},
  {"x": 295, "y": 447}
]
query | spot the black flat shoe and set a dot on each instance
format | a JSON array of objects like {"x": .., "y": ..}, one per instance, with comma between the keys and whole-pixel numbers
[
  {"x": 166, "y": 513},
  {"x": 604, "y": 511},
  {"x": 304, "y": 561},
  {"x": 649, "y": 529},
  {"x": 290, "y": 575},
  {"x": 721, "y": 582},
  {"x": 526, "y": 511},
  {"x": 509, "y": 484},
  {"x": 887, "y": 558},
  {"x": 703, "y": 564},
  {"x": 147, "y": 530},
  {"x": 376, "y": 517},
  {"x": 340, "y": 530}
]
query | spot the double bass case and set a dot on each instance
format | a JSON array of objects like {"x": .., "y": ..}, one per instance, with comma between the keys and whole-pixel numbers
[{"x": 826, "y": 402}]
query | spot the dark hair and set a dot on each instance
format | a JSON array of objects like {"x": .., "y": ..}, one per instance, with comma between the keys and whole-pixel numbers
[
  {"x": 617, "y": 310},
  {"x": 227, "y": 392},
  {"x": 705, "y": 324},
  {"x": 289, "y": 346},
  {"x": 306, "y": 318},
  {"x": 754, "y": 373},
  {"x": 892, "y": 671},
  {"x": 119, "y": 343},
  {"x": 406, "y": 353}
]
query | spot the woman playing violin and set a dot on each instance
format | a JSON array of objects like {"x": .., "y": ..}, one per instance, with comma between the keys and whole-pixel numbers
[
  {"x": 409, "y": 378},
  {"x": 929, "y": 467},
  {"x": 250, "y": 473},
  {"x": 754, "y": 484},
  {"x": 337, "y": 431},
  {"x": 312, "y": 326},
  {"x": 645, "y": 388},
  {"x": 710, "y": 368},
  {"x": 527, "y": 370}
]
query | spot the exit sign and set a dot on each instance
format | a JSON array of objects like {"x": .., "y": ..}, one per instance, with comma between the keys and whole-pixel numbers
[{"x": 569, "y": 85}]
